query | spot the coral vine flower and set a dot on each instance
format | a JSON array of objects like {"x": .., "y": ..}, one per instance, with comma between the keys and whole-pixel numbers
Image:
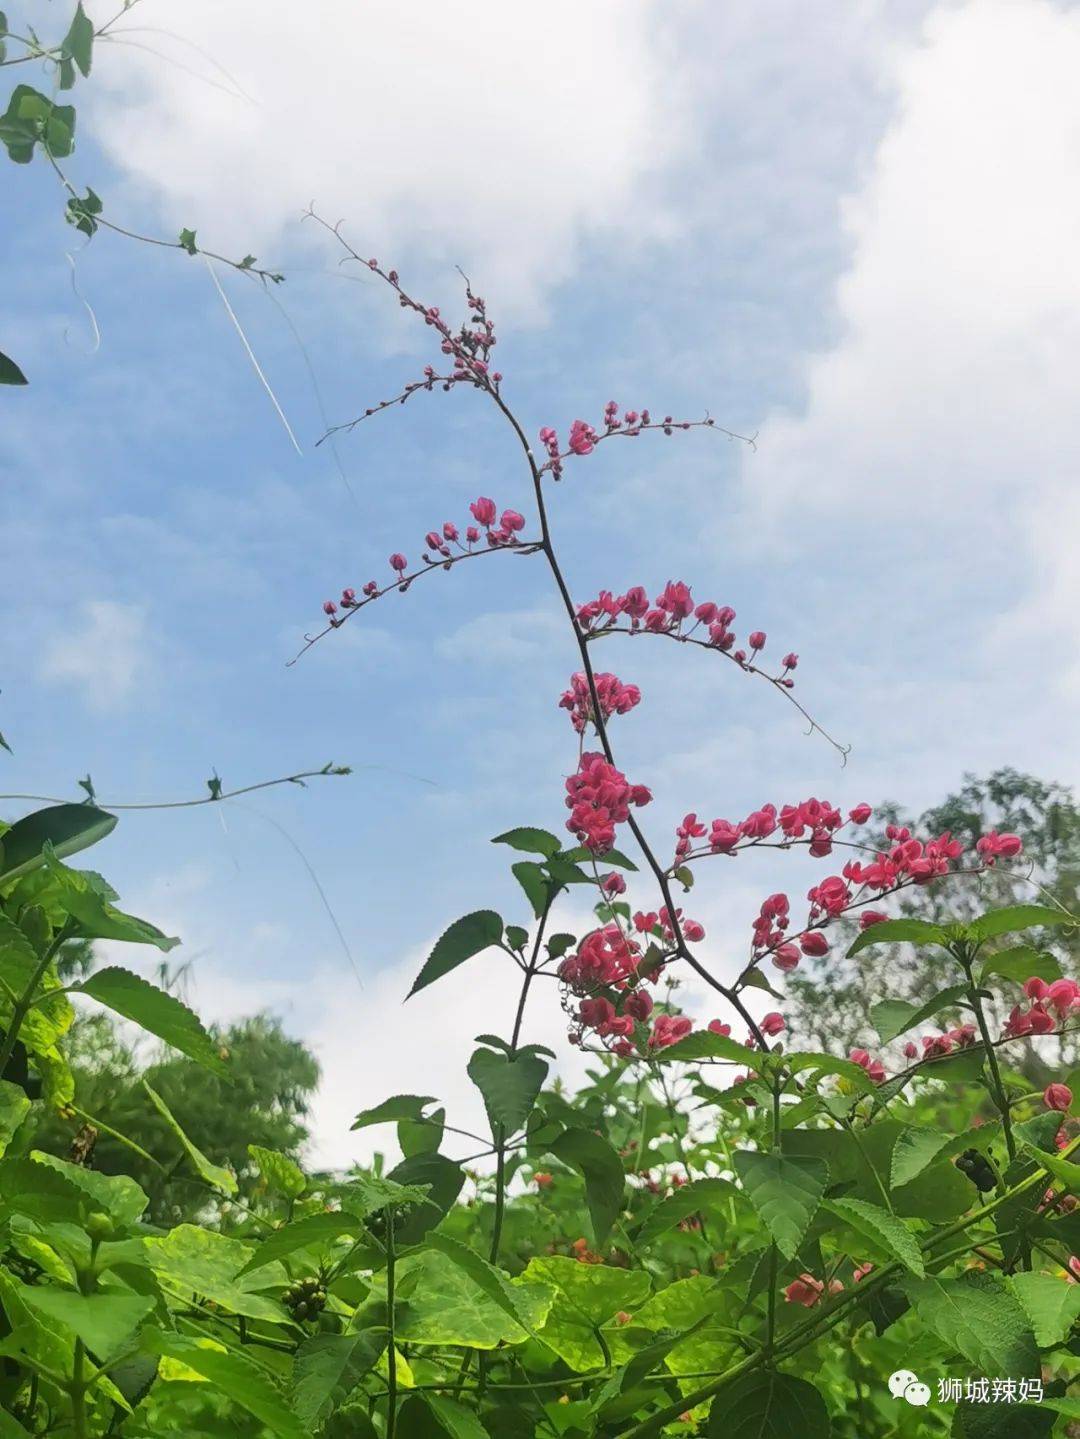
[{"x": 1057, "y": 1096}]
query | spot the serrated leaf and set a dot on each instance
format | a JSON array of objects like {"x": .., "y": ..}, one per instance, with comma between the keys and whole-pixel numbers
[
  {"x": 97, "y": 918},
  {"x": 328, "y": 1367},
  {"x": 602, "y": 1170},
  {"x": 1021, "y": 963},
  {"x": 279, "y": 1171},
  {"x": 190, "y": 1259},
  {"x": 692, "y": 1198},
  {"x": 213, "y": 1174},
  {"x": 391, "y": 1111},
  {"x": 509, "y": 1086},
  {"x": 900, "y": 931},
  {"x": 894, "y": 1017},
  {"x": 1016, "y": 917},
  {"x": 156, "y": 1011},
  {"x": 979, "y": 1316},
  {"x": 487, "y": 1278},
  {"x": 118, "y": 1194},
  {"x": 534, "y": 882},
  {"x": 877, "y": 1224},
  {"x": 1064, "y": 1171},
  {"x": 104, "y": 1322},
  {"x": 784, "y": 1190},
  {"x": 466, "y": 936},
  {"x": 916, "y": 1149},
  {"x": 68, "y": 828},
  {"x": 769, "y": 1405},
  {"x": 703, "y": 1044},
  {"x": 1051, "y": 1304},
  {"x": 588, "y": 1296},
  {"x": 316, "y": 1229},
  {"x": 14, "y": 1107},
  {"x": 531, "y": 840},
  {"x": 238, "y": 1378}
]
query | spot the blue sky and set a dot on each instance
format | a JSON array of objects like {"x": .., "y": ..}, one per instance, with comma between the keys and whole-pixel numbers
[{"x": 854, "y": 231}]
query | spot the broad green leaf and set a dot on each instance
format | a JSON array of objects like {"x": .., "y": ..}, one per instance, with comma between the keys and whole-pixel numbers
[
  {"x": 422, "y": 1136},
  {"x": 893, "y": 1017},
  {"x": 1015, "y": 917},
  {"x": 602, "y": 1170},
  {"x": 117, "y": 1194},
  {"x": 1064, "y": 1171},
  {"x": 442, "y": 1179},
  {"x": 213, "y": 1174},
  {"x": 884, "y": 1229},
  {"x": 190, "y": 1260},
  {"x": 446, "y": 1305},
  {"x": 104, "y": 1322},
  {"x": 433, "y": 1416},
  {"x": 10, "y": 374},
  {"x": 785, "y": 1191},
  {"x": 238, "y": 1378},
  {"x": 97, "y": 918},
  {"x": 830, "y": 1064},
  {"x": 703, "y": 1044},
  {"x": 279, "y": 1171},
  {"x": 532, "y": 841},
  {"x": 700, "y": 1195},
  {"x": 78, "y": 43},
  {"x": 509, "y": 1086},
  {"x": 588, "y": 1297},
  {"x": 900, "y": 931},
  {"x": 14, "y": 1106},
  {"x": 30, "y": 117},
  {"x": 156, "y": 1011},
  {"x": 980, "y": 1317},
  {"x": 391, "y": 1111},
  {"x": 317, "y": 1229},
  {"x": 52, "y": 1014},
  {"x": 769, "y": 1405},
  {"x": 67, "y": 827},
  {"x": 328, "y": 1367},
  {"x": 534, "y": 882},
  {"x": 465, "y": 937},
  {"x": 487, "y": 1278},
  {"x": 1020, "y": 964},
  {"x": 1051, "y": 1304},
  {"x": 916, "y": 1149}
]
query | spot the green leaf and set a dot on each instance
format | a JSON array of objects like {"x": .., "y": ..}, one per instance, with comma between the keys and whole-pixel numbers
[
  {"x": 118, "y": 1194},
  {"x": 509, "y": 1086},
  {"x": 900, "y": 931},
  {"x": 391, "y": 1111},
  {"x": 443, "y": 1179},
  {"x": 104, "y": 1322},
  {"x": 830, "y": 1064},
  {"x": 1064, "y": 1171},
  {"x": 190, "y": 1260},
  {"x": 14, "y": 1107},
  {"x": 238, "y": 1378},
  {"x": 279, "y": 1171},
  {"x": 769, "y": 1405},
  {"x": 465, "y": 937},
  {"x": 916, "y": 1149},
  {"x": 52, "y": 1014},
  {"x": 894, "y": 1017},
  {"x": 785, "y": 1191},
  {"x": 10, "y": 374},
  {"x": 532, "y": 841},
  {"x": 692, "y": 1198},
  {"x": 1016, "y": 917},
  {"x": 156, "y": 1011},
  {"x": 328, "y": 1367},
  {"x": 534, "y": 882},
  {"x": 588, "y": 1297},
  {"x": 883, "y": 1228},
  {"x": 441, "y": 1303},
  {"x": 68, "y": 828},
  {"x": 1051, "y": 1304},
  {"x": 78, "y": 43},
  {"x": 602, "y": 1170},
  {"x": 1020, "y": 964},
  {"x": 32, "y": 117},
  {"x": 615, "y": 857},
  {"x": 96, "y": 916},
  {"x": 213, "y": 1174},
  {"x": 187, "y": 242},
  {"x": 431, "y": 1416},
  {"x": 491, "y": 1281},
  {"x": 703, "y": 1044},
  {"x": 316, "y": 1229},
  {"x": 980, "y": 1317}
]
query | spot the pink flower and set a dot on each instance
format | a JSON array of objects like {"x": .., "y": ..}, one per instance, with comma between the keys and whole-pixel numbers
[
  {"x": 1057, "y": 1096},
  {"x": 483, "y": 511},
  {"x": 716, "y": 1026},
  {"x": 398, "y": 562},
  {"x": 512, "y": 521},
  {"x": 757, "y": 640},
  {"x": 861, "y": 1272},
  {"x": 870, "y": 917},
  {"x": 582, "y": 438},
  {"x": 790, "y": 661},
  {"x": 910, "y": 1050},
  {"x": 999, "y": 846},
  {"x": 787, "y": 957},
  {"x": 329, "y": 608},
  {"x": 806, "y": 1290},
  {"x": 874, "y": 1067},
  {"x": 814, "y": 943},
  {"x": 773, "y": 1023},
  {"x": 613, "y": 884},
  {"x": 860, "y": 814}
]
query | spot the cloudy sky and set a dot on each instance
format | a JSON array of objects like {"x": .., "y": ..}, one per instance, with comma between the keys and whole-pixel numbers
[{"x": 851, "y": 229}]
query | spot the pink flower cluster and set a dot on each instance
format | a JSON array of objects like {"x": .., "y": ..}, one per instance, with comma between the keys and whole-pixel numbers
[
  {"x": 994, "y": 846},
  {"x": 908, "y": 860},
  {"x": 935, "y": 1046},
  {"x": 583, "y": 437},
  {"x": 599, "y": 797},
  {"x": 614, "y": 697},
  {"x": 812, "y": 822},
  {"x": 874, "y": 1067},
  {"x": 660, "y": 925},
  {"x": 808, "y": 1291},
  {"x": 667, "y": 614},
  {"x": 1062, "y": 997},
  {"x": 443, "y": 547},
  {"x": 608, "y": 959}
]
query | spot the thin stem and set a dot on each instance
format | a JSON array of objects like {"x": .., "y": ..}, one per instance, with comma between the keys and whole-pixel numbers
[
  {"x": 192, "y": 803},
  {"x": 78, "y": 1392},
  {"x": 996, "y": 1086},
  {"x": 391, "y": 1352}
]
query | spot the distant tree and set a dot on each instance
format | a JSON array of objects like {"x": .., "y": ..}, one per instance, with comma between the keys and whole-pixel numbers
[
  {"x": 265, "y": 1102},
  {"x": 831, "y": 999}
]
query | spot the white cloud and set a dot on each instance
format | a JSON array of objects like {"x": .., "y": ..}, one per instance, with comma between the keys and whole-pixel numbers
[
  {"x": 495, "y": 136},
  {"x": 106, "y": 656}
]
